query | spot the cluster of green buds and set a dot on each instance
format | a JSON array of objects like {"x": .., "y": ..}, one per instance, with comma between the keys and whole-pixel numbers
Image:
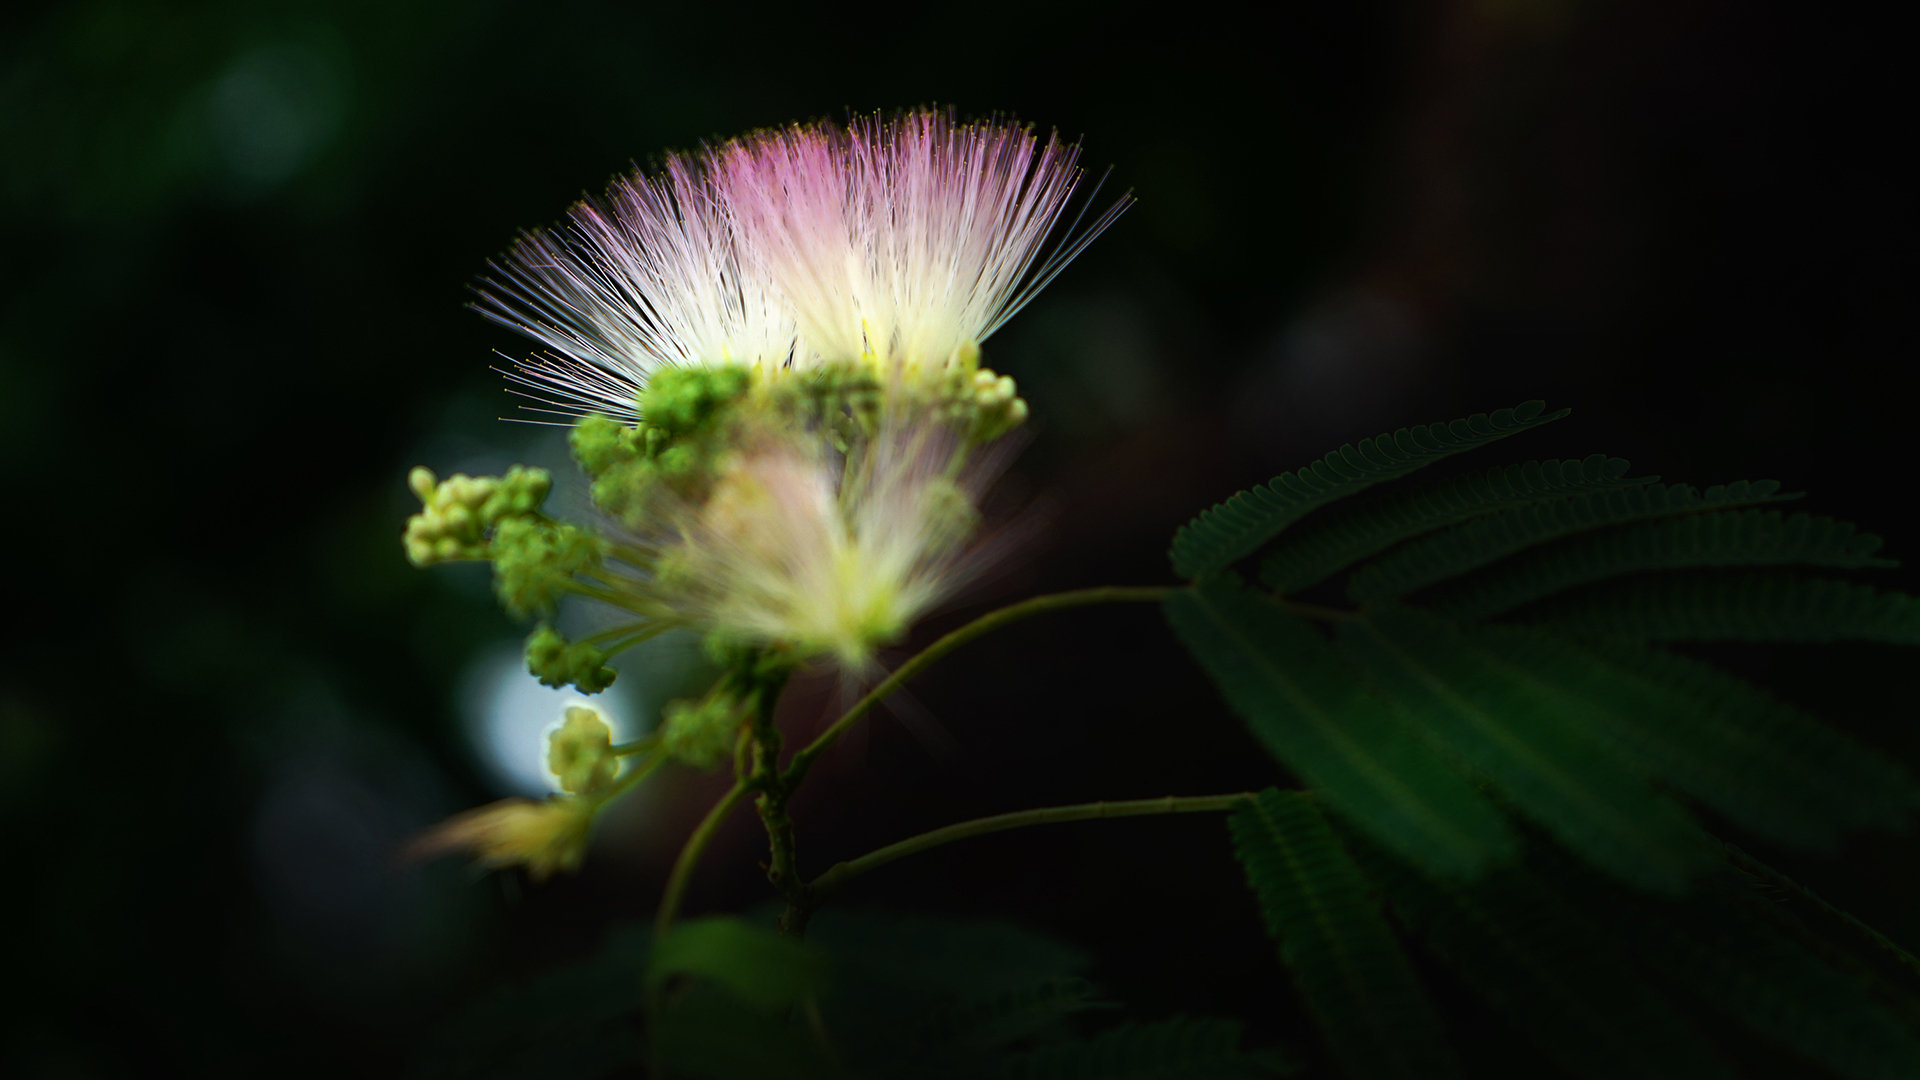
[
  {"x": 703, "y": 732},
  {"x": 498, "y": 518},
  {"x": 977, "y": 400},
  {"x": 642, "y": 472},
  {"x": 458, "y": 513},
  {"x": 557, "y": 662},
  {"x": 995, "y": 406}
]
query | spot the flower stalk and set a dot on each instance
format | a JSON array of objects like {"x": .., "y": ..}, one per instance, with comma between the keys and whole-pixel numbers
[
  {"x": 804, "y": 758},
  {"x": 837, "y": 877}
]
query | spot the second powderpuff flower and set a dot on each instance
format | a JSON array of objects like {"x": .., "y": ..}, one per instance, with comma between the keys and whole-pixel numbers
[{"x": 826, "y": 556}]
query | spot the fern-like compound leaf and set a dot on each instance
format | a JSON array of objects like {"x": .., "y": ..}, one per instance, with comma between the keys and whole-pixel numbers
[
  {"x": 1557, "y": 976},
  {"x": 1543, "y": 748},
  {"x": 1477, "y": 543},
  {"x": 1315, "y": 715},
  {"x": 1335, "y": 942},
  {"x": 1183, "y": 1048},
  {"x": 1237, "y": 527},
  {"x": 1732, "y": 607},
  {"x": 1319, "y": 548},
  {"x": 1724, "y": 538},
  {"x": 1716, "y": 738}
]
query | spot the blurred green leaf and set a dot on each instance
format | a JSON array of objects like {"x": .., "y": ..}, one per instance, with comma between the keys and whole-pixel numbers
[{"x": 761, "y": 967}]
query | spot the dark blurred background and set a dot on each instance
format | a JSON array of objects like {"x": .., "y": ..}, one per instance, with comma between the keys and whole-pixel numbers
[{"x": 237, "y": 241}]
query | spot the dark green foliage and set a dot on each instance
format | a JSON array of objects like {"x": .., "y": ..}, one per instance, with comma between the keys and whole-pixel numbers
[
  {"x": 1178, "y": 1049},
  {"x": 760, "y": 967},
  {"x": 1335, "y": 943},
  {"x": 1726, "y": 950},
  {"x": 1318, "y": 547},
  {"x": 921, "y": 997},
  {"x": 872, "y": 994},
  {"x": 1759, "y": 762},
  {"x": 727, "y": 991},
  {"x": 1556, "y": 975},
  {"x": 1733, "y": 607},
  {"x": 703, "y": 1031},
  {"x": 1732, "y": 538},
  {"x": 1321, "y": 721},
  {"x": 1486, "y": 540},
  {"x": 580, "y": 1021},
  {"x": 956, "y": 1042},
  {"x": 1235, "y": 528},
  {"x": 1543, "y": 748},
  {"x": 1619, "y": 938},
  {"x": 918, "y": 954}
]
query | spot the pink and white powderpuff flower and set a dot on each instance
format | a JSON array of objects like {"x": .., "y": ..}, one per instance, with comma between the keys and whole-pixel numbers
[{"x": 903, "y": 243}]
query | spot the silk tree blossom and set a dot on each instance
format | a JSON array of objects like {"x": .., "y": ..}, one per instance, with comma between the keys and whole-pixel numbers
[
  {"x": 827, "y": 556},
  {"x": 798, "y": 314},
  {"x": 900, "y": 243}
]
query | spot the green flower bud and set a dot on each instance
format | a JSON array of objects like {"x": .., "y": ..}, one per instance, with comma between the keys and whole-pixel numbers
[
  {"x": 422, "y": 482},
  {"x": 701, "y": 733},
  {"x": 556, "y": 662},
  {"x": 517, "y": 494},
  {"x": 683, "y": 400},
  {"x": 995, "y": 404},
  {"x": 966, "y": 357},
  {"x": 534, "y": 559},
  {"x": 450, "y": 524},
  {"x": 680, "y": 462},
  {"x": 600, "y": 443},
  {"x": 627, "y": 490},
  {"x": 580, "y": 753}
]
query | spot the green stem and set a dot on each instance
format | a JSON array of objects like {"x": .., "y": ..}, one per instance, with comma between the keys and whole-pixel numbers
[
  {"x": 613, "y": 599},
  {"x": 783, "y": 861},
  {"x": 637, "y": 746},
  {"x": 635, "y": 773},
  {"x": 612, "y": 632},
  {"x": 837, "y": 877},
  {"x": 993, "y": 620},
  {"x": 690, "y": 853},
  {"x": 652, "y": 631},
  {"x": 627, "y": 553}
]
